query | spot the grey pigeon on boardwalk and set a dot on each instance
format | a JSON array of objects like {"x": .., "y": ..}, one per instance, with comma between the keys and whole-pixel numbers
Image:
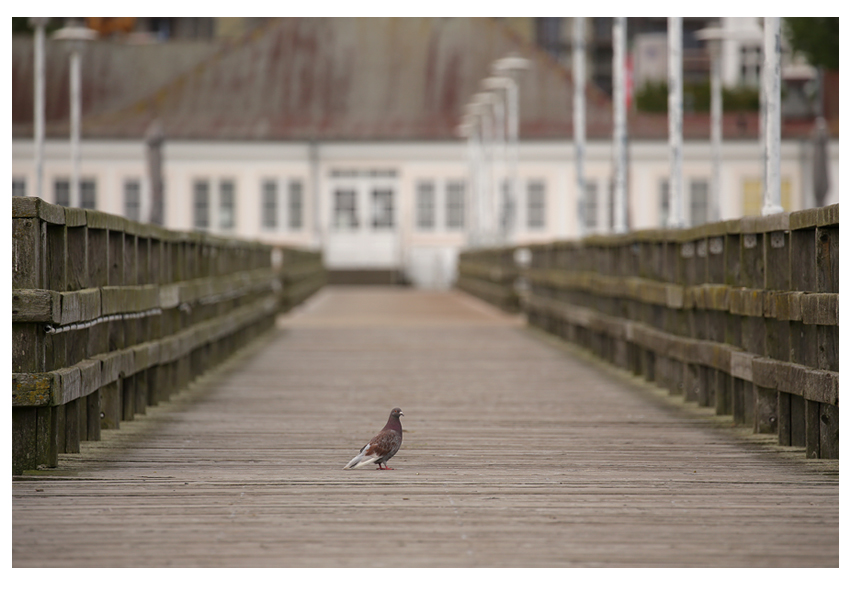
[{"x": 382, "y": 446}]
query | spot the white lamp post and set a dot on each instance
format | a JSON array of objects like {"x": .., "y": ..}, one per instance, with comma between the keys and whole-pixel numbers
[
  {"x": 466, "y": 130},
  {"x": 499, "y": 85},
  {"x": 507, "y": 70},
  {"x": 713, "y": 36},
  {"x": 484, "y": 103},
  {"x": 619, "y": 35},
  {"x": 39, "y": 23},
  {"x": 676, "y": 218},
  {"x": 475, "y": 116},
  {"x": 76, "y": 35},
  {"x": 772, "y": 202},
  {"x": 579, "y": 120}
]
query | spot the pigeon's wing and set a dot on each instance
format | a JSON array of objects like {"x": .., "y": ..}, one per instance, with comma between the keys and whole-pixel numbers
[{"x": 386, "y": 444}]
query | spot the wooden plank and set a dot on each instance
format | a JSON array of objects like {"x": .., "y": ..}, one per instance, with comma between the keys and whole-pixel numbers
[
  {"x": 47, "y": 436},
  {"x": 812, "y": 429},
  {"x": 24, "y": 439},
  {"x": 828, "y": 430},
  {"x": 35, "y": 305},
  {"x": 56, "y": 256},
  {"x": 27, "y": 254},
  {"x": 826, "y": 259},
  {"x": 34, "y": 207},
  {"x": 97, "y": 252},
  {"x": 77, "y": 270},
  {"x": 31, "y": 389}
]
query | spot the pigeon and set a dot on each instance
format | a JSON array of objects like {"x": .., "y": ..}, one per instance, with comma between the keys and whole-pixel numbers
[{"x": 382, "y": 446}]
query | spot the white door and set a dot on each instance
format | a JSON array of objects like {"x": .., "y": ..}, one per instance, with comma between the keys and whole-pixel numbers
[{"x": 363, "y": 229}]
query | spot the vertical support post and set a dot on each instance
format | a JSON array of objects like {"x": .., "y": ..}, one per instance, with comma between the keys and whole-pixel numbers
[
  {"x": 39, "y": 23},
  {"x": 75, "y": 127},
  {"x": 579, "y": 119},
  {"x": 716, "y": 130},
  {"x": 772, "y": 202},
  {"x": 498, "y": 148},
  {"x": 674, "y": 113},
  {"x": 619, "y": 35}
]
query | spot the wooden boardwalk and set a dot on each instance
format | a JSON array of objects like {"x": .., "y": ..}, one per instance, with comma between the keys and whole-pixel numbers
[{"x": 517, "y": 452}]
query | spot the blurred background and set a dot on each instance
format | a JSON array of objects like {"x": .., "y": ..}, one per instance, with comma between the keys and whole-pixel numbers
[{"x": 355, "y": 136}]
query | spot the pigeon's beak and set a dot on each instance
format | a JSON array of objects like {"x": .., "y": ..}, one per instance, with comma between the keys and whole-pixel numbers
[{"x": 401, "y": 413}]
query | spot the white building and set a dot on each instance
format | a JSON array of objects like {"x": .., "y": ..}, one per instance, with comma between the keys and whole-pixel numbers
[{"x": 339, "y": 134}]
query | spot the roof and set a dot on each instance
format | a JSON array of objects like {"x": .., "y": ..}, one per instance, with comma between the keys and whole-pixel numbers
[{"x": 316, "y": 79}]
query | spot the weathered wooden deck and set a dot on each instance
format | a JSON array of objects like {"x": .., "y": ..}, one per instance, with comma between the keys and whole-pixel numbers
[{"x": 517, "y": 452}]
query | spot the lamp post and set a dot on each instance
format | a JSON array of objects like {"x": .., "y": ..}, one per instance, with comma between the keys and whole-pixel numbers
[
  {"x": 713, "y": 36},
  {"x": 473, "y": 118},
  {"x": 483, "y": 103},
  {"x": 76, "y": 35},
  {"x": 676, "y": 217},
  {"x": 771, "y": 203},
  {"x": 619, "y": 35},
  {"x": 579, "y": 121},
  {"x": 466, "y": 130},
  {"x": 507, "y": 70},
  {"x": 500, "y": 87},
  {"x": 39, "y": 23}
]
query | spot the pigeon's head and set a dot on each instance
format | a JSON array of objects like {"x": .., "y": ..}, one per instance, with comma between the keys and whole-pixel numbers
[{"x": 396, "y": 412}]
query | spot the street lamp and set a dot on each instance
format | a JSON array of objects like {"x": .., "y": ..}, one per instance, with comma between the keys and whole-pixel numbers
[
  {"x": 497, "y": 85},
  {"x": 483, "y": 106},
  {"x": 579, "y": 137},
  {"x": 466, "y": 130},
  {"x": 507, "y": 70},
  {"x": 39, "y": 23},
  {"x": 773, "y": 116},
  {"x": 619, "y": 36},
  {"x": 676, "y": 218},
  {"x": 714, "y": 37},
  {"x": 76, "y": 35}
]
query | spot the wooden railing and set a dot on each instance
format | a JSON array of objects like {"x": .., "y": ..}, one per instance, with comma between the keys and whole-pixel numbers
[
  {"x": 111, "y": 316},
  {"x": 491, "y": 275},
  {"x": 740, "y": 315}
]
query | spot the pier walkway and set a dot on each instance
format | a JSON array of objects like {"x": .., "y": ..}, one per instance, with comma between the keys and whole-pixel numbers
[{"x": 518, "y": 451}]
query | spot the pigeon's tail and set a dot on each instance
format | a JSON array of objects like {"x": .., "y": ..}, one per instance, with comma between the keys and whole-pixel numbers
[{"x": 361, "y": 460}]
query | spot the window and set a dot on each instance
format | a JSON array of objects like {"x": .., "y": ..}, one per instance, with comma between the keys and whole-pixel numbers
[
  {"x": 19, "y": 186},
  {"x": 425, "y": 206},
  {"x": 455, "y": 205},
  {"x": 132, "y": 199},
  {"x": 62, "y": 192},
  {"x": 536, "y": 205},
  {"x": 664, "y": 203},
  {"x": 88, "y": 194},
  {"x": 382, "y": 208},
  {"x": 699, "y": 202},
  {"x": 591, "y": 206},
  {"x": 296, "y": 205},
  {"x": 269, "y": 211},
  {"x": 201, "y": 203},
  {"x": 345, "y": 209},
  {"x": 226, "y": 205}
]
